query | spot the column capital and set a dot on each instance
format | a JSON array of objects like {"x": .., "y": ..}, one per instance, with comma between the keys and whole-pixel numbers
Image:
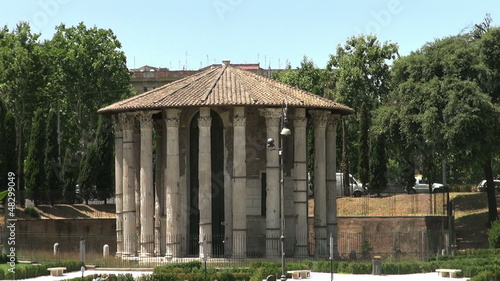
[
  {"x": 333, "y": 121},
  {"x": 320, "y": 117},
  {"x": 117, "y": 123},
  {"x": 239, "y": 121},
  {"x": 172, "y": 117},
  {"x": 299, "y": 121},
  {"x": 272, "y": 115},
  {"x": 127, "y": 120},
  {"x": 146, "y": 119},
  {"x": 204, "y": 121}
]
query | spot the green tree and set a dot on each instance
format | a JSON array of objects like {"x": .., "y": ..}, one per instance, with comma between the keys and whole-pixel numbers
[
  {"x": 52, "y": 166},
  {"x": 378, "y": 165},
  {"x": 22, "y": 78},
  {"x": 105, "y": 169},
  {"x": 363, "y": 146},
  {"x": 87, "y": 178},
  {"x": 88, "y": 72},
  {"x": 440, "y": 110},
  {"x": 10, "y": 142},
  {"x": 35, "y": 172},
  {"x": 3, "y": 140},
  {"x": 361, "y": 73},
  {"x": 69, "y": 175}
]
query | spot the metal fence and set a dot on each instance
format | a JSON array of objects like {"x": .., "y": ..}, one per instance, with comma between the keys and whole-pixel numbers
[{"x": 351, "y": 246}]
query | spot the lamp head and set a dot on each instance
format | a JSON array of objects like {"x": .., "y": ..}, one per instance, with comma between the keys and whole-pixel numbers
[
  {"x": 285, "y": 132},
  {"x": 270, "y": 143}
]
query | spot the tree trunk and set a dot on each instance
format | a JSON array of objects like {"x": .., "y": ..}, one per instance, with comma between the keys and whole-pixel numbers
[{"x": 490, "y": 191}]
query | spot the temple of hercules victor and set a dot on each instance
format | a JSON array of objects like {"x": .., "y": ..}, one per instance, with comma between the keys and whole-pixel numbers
[{"x": 199, "y": 163}]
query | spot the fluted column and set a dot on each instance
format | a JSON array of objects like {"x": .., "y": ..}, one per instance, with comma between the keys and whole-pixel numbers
[
  {"x": 129, "y": 227},
  {"x": 117, "y": 125},
  {"x": 331, "y": 180},
  {"x": 320, "y": 118},
  {"x": 172, "y": 182},
  {"x": 205, "y": 181},
  {"x": 137, "y": 178},
  {"x": 300, "y": 188},
  {"x": 146, "y": 183},
  {"x": 159, "y": 194},
  {"x": 273, "y": 117},
  {"x": 239, "y": 186}
]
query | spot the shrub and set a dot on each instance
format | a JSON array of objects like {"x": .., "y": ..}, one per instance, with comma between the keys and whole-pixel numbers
[
  {"x": 5, "y": 259},
  {"x": 32, "y": 212},
  {"x": 494, "y": 235}
]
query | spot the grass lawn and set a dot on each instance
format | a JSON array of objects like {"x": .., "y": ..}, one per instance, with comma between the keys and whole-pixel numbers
[{"x": 470, "y": 211}]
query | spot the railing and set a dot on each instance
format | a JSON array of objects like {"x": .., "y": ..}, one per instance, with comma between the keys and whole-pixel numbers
[{"x": 351, "y": 246}]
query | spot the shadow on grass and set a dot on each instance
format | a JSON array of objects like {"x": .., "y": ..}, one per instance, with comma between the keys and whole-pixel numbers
[
  {"x": 63, "y": 211},
  {"x": 471, "y": 231},
  {"x": 470, "y": 201}
]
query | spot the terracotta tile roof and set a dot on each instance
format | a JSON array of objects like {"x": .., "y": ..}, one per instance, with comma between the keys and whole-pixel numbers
[{"x": 224, "y": 86}]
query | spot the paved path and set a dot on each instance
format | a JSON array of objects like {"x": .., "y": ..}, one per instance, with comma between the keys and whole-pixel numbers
[{"x": 314, "y": 276}]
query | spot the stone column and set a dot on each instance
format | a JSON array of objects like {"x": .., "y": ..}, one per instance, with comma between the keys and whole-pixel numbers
[
  {"x": 205, "y": 181},
  {"x": 172, "y": 175},
  {"x": 146, "y": 183},
  {"x": 320, "y": 118},
  {"x": 137, "y": 177},
  {"x": 301, "y": 183},
  {"x": 273, "y": 117},
  {"x": 331, "y": 181},
  {"x": 159, "y": 194},
  {"x": 239, "y": 185},
  {"x": 117, "y": 122},
  {"x": 129, "y": 227}
]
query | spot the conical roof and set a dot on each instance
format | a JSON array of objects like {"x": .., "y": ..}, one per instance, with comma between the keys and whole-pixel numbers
[{"x": 224, "y": 85}]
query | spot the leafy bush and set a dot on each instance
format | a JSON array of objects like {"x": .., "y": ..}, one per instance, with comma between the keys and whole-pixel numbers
[
  {"x": 5, "y": 259},
  {"x": 487, "y": 276},
  {"x": 32, "y": 212},
  {"x": 186, "y": 267},
  {"x": 494, "y": 235},
  {"x": 31, "y": 271}
]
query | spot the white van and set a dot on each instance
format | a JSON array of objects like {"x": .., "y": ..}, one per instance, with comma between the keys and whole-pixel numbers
[{"x": 356, "y": 187}]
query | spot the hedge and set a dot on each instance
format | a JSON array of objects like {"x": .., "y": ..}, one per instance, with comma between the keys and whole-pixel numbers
[{"x": 30, "y": 271}]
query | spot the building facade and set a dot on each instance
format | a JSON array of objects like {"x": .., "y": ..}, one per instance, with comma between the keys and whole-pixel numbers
[{"x": 196, "y": 176}]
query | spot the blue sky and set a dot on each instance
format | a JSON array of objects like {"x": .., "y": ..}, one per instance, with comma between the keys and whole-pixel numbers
[{"x": 194, "y": 33}]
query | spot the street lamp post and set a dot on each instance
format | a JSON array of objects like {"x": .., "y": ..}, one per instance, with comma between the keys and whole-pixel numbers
[
  {"x": 283, "y": 134},
  {"x": 285, "y": 131}
]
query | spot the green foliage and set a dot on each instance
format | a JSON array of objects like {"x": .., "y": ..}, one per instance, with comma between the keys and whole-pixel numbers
[
  {"x": 366, "y": 248},
  {"x": 87, "y": 178},
  {"x": 494, "y": 235},
  {"x": 361, "y": 73},
  {"x": 30, "y": 271},
  {"x": 378, "y": 163},
  {"x": 53, "y": 188},
  {"x": 69, "y": 176},
  {"x": 105, "y": 169},
  {"x": 35, "y": 172},
  {"x": 5, "y": 259},
  {"x": 77, "y": 71},
  {"x": 32, "y": 212}
]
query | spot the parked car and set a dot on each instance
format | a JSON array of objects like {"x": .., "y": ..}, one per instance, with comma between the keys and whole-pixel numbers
[
  {"x": 482, "y": 185},
  {"x": 357, "y": 189},
  {"x": 422, "y": 186}
]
